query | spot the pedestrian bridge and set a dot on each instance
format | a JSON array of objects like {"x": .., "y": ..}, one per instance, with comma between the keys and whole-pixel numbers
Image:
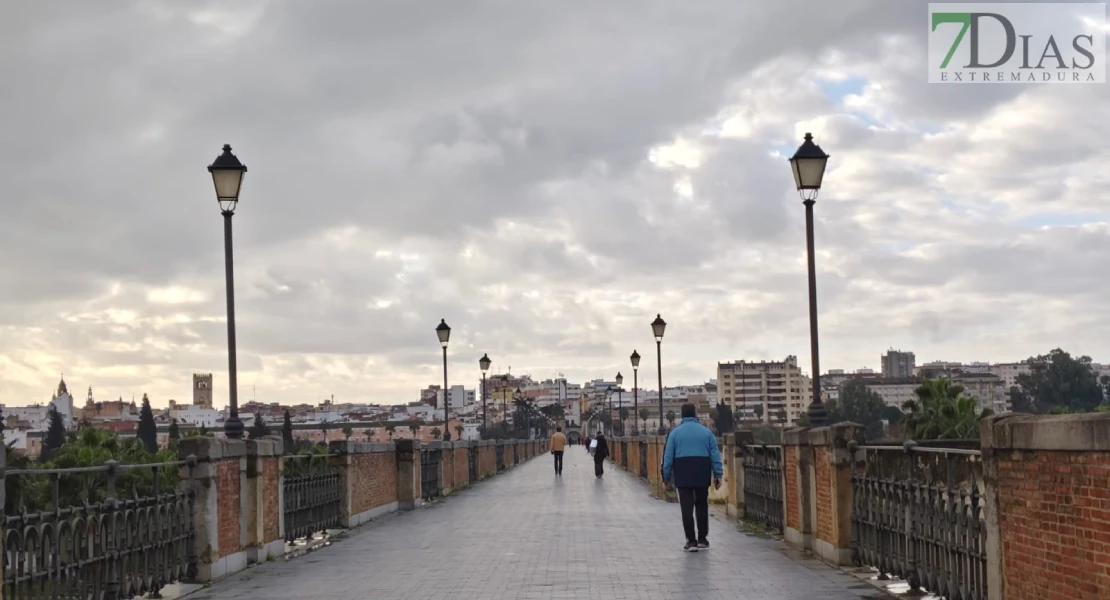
[{"x": 530, "y": 534}]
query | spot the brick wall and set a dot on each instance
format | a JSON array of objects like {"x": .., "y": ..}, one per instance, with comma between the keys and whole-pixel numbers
[
  {"x": 271, "y": 498},
  {"x": 227, "y": 496},
  {"x": 1054, "y": 516},
  {"x": 373, "y": 480},
  {"x": 462, "y": 466},
  {"x": 822, "y": 468},
  {"x": 793, "y": 492},
  {"x": 447, "y": 457}
]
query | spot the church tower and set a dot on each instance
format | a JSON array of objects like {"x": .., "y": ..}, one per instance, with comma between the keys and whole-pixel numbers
[{"x": 202, "y": 389}]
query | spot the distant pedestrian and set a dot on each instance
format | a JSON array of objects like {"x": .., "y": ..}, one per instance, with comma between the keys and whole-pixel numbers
[
  {"x": 601, "y": 451},
  {"x": 589, "y": 443},
  {"x": 558, "y": 444},
  {"x": 691, "y": 461}
]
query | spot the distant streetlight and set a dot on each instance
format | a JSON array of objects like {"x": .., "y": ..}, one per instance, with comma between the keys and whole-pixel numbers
[
  {"x": 808, "y": 165},
  {"x": 657, "y": 328},
  {"x": 483, "y": 363},
  {"x": 444, "y": 334},
  {"x": 620, "y": 399},
  {"x": 635, "y": 392},
  {"x": 227, "y": 176}
]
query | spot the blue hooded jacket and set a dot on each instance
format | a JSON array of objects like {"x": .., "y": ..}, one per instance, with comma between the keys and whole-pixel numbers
[{"x": 691, "y": 455}]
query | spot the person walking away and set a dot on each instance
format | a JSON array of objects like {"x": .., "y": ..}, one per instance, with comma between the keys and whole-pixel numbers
[
  {"x": 601, "y": 452},
  {"x": 558, "y": 445},
  {"x": 691, "y": 461}
]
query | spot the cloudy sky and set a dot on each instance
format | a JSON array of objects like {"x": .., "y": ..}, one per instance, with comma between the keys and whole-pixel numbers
[{"x": 545, "y": 176}]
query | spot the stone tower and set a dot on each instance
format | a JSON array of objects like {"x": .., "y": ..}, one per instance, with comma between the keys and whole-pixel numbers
[{"x": 202, "y": 389}]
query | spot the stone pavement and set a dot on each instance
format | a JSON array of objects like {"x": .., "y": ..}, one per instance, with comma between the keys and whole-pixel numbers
[{"x": 529, "y": 535}]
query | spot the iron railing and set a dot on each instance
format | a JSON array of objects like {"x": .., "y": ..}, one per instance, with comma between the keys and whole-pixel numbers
[
  {"x": 643, "y": 459},
  {"x": 430, "y": 459},
  {"x": 311, "y": 495},
  {"x": 917, "y": 515},
  {"x": 500, "y": 457},
  {"x": 107, "y": 549},
  {"x": 472, "y": 461},
  {"x": 763, "y": 485}
]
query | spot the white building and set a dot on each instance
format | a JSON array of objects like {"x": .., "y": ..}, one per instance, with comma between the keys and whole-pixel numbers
[
  {"x": 38, "y": 415},
  {"x": 197, "y": 415}
]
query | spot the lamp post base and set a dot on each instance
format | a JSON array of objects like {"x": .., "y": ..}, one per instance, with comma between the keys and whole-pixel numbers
[
  {"x": 818, "y": 414},
  {"x": 233, "y": 428}
]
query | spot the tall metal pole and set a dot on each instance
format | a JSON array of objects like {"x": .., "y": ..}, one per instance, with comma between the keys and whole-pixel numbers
[
  {"x": 635, "y": 401},
  {"x": 818, "y": 414},
  {"x": 620, "y": 407},
  {"x": 446, "y": 401},
  {"x": 659, "y": 363},
  {"x": 233, "y": 427},
  {"x": 485, "y": 424},
  {"x": 610, "y": 399}
]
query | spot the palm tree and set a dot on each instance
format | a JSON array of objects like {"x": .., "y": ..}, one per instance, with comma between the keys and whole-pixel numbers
[
  {"x": 389, "y": 429},
  {"x": 670, "y": 417},
  {"x": 459, "y": 431},
  {"x": 941, "y": 412},
  {"x": 644, "y": 414},
  {"x": 435, "y": 433},
  {"x": 370, "y": 432},
  {"x": 347, "y": 432},
  {"x": 414, "y": 427}
]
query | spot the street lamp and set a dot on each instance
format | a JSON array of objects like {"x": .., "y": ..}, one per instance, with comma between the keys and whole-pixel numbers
[
  {"x": 657, "y": 327},
  {"x": 444, "y": 334},
  {"x": 808, "y": 165},
  {"x": 483, "y": 363},
  {"x": 227, "y": 176},
  {"x": 635, "y": 392},
  {"x": 518, "y": 409},
  {"x": 620, "y": 399}
]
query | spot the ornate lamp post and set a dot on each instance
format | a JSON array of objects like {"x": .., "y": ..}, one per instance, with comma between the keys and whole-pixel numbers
[
  {"x": 620, "y": 399},
  {"x": 635, "y": 392},
  {"x": 808, "y": 165},
  {"x": 444, "y": 334},
  {"x": 657, "y": 328},
  {"x": 483, "y": 363},
  {"x": 227, "y": 175}
]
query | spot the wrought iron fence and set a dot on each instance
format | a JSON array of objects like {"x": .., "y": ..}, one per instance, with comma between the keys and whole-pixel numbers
[
  {"x": 472, "y": 457},
  {"x": 500, "y": 457},
  {"x": 108, "y": 549},
  {"x": 643, "y": 459},
  {"x": 763, "y": 485},
  {"x": 310, "y": 494},
  {"x": 917, "y": 515},
  {"x": 430, "y": 459}
]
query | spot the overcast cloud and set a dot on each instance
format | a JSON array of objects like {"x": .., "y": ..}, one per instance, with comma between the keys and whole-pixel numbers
[{"x": 545, "y": 176}]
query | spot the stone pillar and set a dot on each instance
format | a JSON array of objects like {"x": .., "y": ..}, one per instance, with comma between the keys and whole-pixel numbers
[
  {"x": 797, "y": 470},
  {"x": 218, "y": 479},
  {"x": 1046, "y": 505},
  {"x": 408, "y": 474},
  {"x": 264, "y": 493},
  {"x": 735, "y": 446},
  {"x": 461, "y": 463},
  {"x": 832, "y": 484}
]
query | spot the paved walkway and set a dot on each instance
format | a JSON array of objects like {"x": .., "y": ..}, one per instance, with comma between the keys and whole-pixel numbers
[{"x": 527, "y": 534}]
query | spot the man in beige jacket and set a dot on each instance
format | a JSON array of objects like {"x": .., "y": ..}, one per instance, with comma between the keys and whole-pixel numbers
[{"x": 558, "y": 444}]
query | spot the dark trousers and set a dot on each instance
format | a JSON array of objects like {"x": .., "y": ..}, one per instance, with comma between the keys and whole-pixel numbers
[
  {"x": 558, "y": 460},
  {"x": 695, "y": 500},
  {"x": 599, "y": 465}
]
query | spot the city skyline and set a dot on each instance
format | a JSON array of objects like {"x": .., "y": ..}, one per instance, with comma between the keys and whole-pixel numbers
[{"x": 547, "y": 204}]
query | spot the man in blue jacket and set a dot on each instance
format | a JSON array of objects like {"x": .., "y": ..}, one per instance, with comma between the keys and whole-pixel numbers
[{"x": 691, "y": 458}]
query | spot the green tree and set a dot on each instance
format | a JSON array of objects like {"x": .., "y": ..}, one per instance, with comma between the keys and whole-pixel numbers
[
  {"x": 148, "y": 430},
  {"x": 941, "y": 411},
  {"x": 389, "y": 429},
  {"x": 203, "y": 430},
  {"x": 435, "y": 433},
  {"x": 348, "y": 431},
  {"x": 414, "y": 427},
  {"x": 857, "y": 403},
  {"x": 671, "y": 417},
  {"x": 1058, "y": 379},
  {"x": 758, "y": 410},
  {"x": 893, "y": 415},
  {"x": 459, "y": 430},
  {"x": 259, "y": 428},
  {"x": 55, "y": 434},
  {"x": 723, "y": 419},
  {"x": 644, "y": 414},
  {"x": 174, "y": 434},
  {"x": 287, "y": 432},
  {"x": 780, "y": 416},
  {"x": 370, "y": 433}
]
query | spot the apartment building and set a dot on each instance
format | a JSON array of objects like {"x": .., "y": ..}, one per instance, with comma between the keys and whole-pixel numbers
[
  {"x": 898, "y": 364},
  {"x": 773, "y": 387}
]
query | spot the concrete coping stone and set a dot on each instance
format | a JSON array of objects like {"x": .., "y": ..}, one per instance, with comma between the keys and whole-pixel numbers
[
  {"x": 209, "y": 448},
  {"x": 1088, "y": 432},
  {"x": 270, "y": 445}
]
